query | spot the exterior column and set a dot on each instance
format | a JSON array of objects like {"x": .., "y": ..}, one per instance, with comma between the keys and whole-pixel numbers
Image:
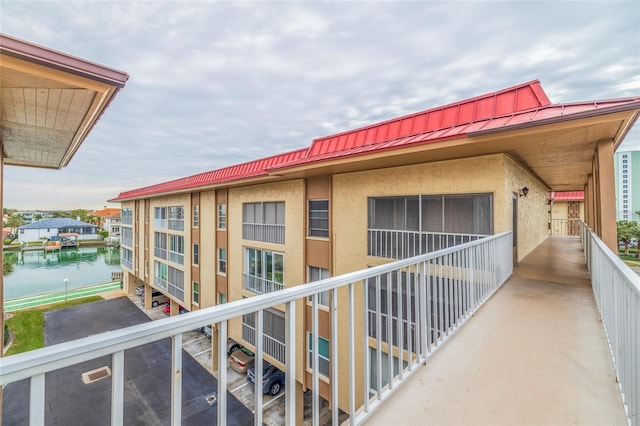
[
  {"x": 299, "y": 403},
  {"x": 606, "y": 193},
  {"x": 589, "y": 202},
  {"x": 214, "y": 350}
]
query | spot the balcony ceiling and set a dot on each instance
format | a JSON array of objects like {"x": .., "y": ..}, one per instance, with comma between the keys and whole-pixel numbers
[{"x": 49, "y": 101}]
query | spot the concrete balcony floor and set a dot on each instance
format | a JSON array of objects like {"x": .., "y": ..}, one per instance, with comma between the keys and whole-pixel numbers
[{"x": 535, "y": 353}]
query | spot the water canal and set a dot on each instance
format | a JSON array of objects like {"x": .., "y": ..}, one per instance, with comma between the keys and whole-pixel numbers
[{"x": 37, "y": 272}]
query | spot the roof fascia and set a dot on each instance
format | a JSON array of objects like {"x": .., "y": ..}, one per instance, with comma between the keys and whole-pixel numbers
[{"x": 50, "y": 58}]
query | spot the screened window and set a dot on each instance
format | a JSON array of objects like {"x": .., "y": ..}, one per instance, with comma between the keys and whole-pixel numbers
[
  {"x": 196, "y": 254},
  {"x": 176, "y": 249},
  {"x": 319, "y": 218},
  {"x": 160, "y": 245},
  {"x": 127, "y": 216},
  {"x": 263, "y": 222},
  {"x": 272, "y": 324}
]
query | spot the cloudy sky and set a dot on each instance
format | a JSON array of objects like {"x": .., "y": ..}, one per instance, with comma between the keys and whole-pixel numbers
[{"x": 218, "y": 83}]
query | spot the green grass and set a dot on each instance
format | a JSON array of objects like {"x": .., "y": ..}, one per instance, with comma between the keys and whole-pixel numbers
[{"x": 28, "y": 325}]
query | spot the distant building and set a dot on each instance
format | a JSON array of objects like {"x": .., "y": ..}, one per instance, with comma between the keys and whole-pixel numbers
[
  {"x": 47, "y": 228},
  {"x": 30, "y": 216},
  {"x": 627, "y": 169},
  {"x": 110, "y": 221},
  {"x": 566, "y": 208}
]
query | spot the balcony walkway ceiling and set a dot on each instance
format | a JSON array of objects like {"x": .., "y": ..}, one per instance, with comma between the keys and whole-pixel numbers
[
  {"x": 534, "y": 354},
  {"x": 49, "y": 101}
]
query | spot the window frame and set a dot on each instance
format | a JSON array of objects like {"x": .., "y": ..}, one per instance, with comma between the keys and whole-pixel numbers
[
  {"x": 315, "y": 215},
  {"x": 222, "y": 216}
]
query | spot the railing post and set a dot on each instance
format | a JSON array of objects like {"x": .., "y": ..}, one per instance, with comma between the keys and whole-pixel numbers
[
  {"x": 290, "y": 350},
  {"x": 117, "y": 388},
  {"x": 222, "y": 374}
]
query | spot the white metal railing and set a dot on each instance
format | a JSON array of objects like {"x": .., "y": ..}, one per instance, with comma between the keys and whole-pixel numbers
[
  {"x": 464, "y": 277},
  {"x": 404, "y": 244},
  {"x": 176, "y": 224},
  {"x": 617, "y": 292},
  {"x": 266, "y": 233},
  {"x": 160, "y": 253},
  {"x": 261, "y": 285},
  {"x": 176, "y": 257},
  {"x": 126, "y": 263},
  {"x": 564, "y": 227},
  {"x": 161, "y": 223}
]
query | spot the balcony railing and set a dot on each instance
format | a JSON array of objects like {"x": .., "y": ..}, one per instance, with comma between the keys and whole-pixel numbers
[
  {"x": 126, "y": 263},
  {"x": 404, "y": 244},
  {"x": 479, "y": 267},
  {"x": 265, "y": 233},
  {"x": 260, "y": 285},
  {"x": 617, "y": 292},
  {"x": 564, "y": 226},
  {"x": 271, "y": 346}
]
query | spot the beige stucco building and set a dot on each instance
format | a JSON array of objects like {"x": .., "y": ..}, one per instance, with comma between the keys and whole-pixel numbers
[{"x": 365, "y": 197}]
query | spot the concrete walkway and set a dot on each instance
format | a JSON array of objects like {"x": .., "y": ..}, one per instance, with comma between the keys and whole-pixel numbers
[{"x": 535, "y": 354}]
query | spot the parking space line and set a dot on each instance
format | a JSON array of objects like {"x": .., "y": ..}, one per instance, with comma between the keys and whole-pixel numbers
[
  {"x": 281, "y": 394},
  {"x": 194, "y": 340},
  {"x": 239, "y": 387},
  {"x": 203, "y": 352}
]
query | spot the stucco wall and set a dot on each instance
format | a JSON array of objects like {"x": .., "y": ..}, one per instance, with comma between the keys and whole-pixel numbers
[
  {"x": 293, "y": 195},
  {"x": 532, "y": 209}
]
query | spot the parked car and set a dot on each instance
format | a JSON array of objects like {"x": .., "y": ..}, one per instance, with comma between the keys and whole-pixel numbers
[
  {"x": 140, "y": 291},
  {"x": 166, "y": 308},
  {"x": 241, "y": 360},
  {"x": 232, "y": 345},
  {"x": 272, "y": 378},
  {"x": 157, "y": 298}
]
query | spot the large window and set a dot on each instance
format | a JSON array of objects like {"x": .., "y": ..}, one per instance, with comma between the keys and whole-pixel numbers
[
  {"x": 264, "y": 270},
  {"x": 127, "y": 216},
  {"x": 319, "y": 218},
  {"x": 222, "y": 216},
  {"x": 263, "y": 222},
  {"x": 176, "y": 218},
  {"x": 126, "y": 258},
  {"x": 160, "y": 245},
  {"x": 175, "y": 279},
  {"x": 160, "y": 275},
  {"x": 323, "y": 354},
  {"x": 176, "y": 249},
  {"x": 126, "y": 237},
  {"x": 406, "y": 226},
  {"x": 160, "y": 218}
]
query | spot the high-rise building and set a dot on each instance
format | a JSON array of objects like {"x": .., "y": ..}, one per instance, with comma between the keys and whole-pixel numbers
[{"x": 627, "y": 171}]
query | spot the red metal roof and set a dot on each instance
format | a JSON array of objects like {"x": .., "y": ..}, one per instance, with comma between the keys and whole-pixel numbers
[
  {"x": 566, "y": 196},
  {"x": 226, "y": 174},
  {"x": 522, "y": 105}
]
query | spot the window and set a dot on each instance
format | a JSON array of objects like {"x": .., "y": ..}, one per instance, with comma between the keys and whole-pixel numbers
[
  {"x": 176, "y": 218},
  {"x": 222, "y": 260},
  {"x": 160, "y": 275},
  {"x": 126, "y": 258},
  {"x": 176, "y": 249},
  {"x": 160, "y": 245},
  {"x": 323, "y": 355},
  {"x": 317, "y": 274},
  {"x": 126, "y": 237},
  {"x": 264, "y": 270},
  {"x": 319, "y": 218},
  {"x": 273, "y": 332},
  {"x": 222, "y": 298},
  {"x": 196, "y": 254},
  {"x": 263, "y": 222},
  {"x": 196, "y": 216},
  {"x": 222, "y": 216},
  {"x": 175, "y": 280},
  {"x": 127, "y": 216},
  {"x": 160, "y": 217},
  {"x": 195, "y": 286}
]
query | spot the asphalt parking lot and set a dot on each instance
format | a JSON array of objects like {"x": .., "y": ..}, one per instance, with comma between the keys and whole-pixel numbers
[
  {"x": 71, "y": 401},
  {"x": 199, "y": 347}
]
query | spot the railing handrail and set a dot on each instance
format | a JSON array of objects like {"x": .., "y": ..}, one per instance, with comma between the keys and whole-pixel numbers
[{"x": 39, "y": 361}]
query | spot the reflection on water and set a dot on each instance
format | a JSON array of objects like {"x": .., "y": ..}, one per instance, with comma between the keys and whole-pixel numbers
[{"x": 36, "y": 272}]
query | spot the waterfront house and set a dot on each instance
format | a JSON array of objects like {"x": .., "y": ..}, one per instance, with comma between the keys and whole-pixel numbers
[{"x": 57, "y": 227}]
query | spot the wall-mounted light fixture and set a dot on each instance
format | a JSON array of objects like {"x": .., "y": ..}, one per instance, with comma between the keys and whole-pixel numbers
[{"x": 524, "y": 191}]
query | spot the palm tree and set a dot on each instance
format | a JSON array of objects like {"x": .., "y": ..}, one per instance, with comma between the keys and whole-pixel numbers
[{"x": 626, "y": 231}]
